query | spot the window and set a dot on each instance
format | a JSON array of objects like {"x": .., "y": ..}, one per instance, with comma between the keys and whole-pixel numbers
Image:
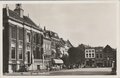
[
  {"x": 89, "y": 50},
  {"x": 86, "y": 55},
  {"x": 49, "y": 46},
  {"x": 34, "y": 40},
  {"x": 45, "y": 47},
  {"x": 20, "y": 33},
  {"x": 21, "y": 43},
  {"x": 89, "y": 55},
  {"x": 92, "y": 50},
  {"x": 28, "y": 57},
  {"x": 28, "y": 37},
  {"x": 97, "y": 56},
  {"x": 38, "y": 67},
  {"x": 13, "y": 32},
  {"x": 34, "y": 52},
  {"x": 100, "y": 55},
  {"x": 20, "y": 53},
  {"x": 92, "y": 54},
  {"x": 13, "y": 52},
  {"x": 28, "y": 46},
  {"x": 38, "y": 38},
  {"x": 56, "y": 35},
  {"x": 37, "y": 53}
]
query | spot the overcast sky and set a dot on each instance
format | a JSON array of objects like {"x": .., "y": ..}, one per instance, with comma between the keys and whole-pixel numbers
[{"x": 88, "y": 23}]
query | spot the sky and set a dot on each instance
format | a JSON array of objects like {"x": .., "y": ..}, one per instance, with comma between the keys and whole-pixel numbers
[{"x": 87, "y": 23}]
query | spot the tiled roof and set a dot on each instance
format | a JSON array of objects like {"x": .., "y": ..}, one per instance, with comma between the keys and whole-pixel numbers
[
  {"x": 98, "y": 48},
  {"x": 15, "y": 15},
  {"x": 53, "y": 34},
  {"x": 26, "y": 19},
  {"x": 29, "y": 21}
]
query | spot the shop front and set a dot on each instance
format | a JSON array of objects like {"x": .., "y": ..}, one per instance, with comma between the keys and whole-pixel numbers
[
  {"x": 90, "y": 63},
  {"x": 57, "y": 64}
]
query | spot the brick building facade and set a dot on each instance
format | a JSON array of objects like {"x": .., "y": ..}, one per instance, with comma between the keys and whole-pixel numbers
[
  {"x": 26, "y": 45},
  {"x": 90, "y": 57},
  {"x": 22, "y": 40},
  {"x": 100, "y": 57}
]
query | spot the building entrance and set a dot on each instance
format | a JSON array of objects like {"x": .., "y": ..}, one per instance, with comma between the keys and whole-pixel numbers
[
  {"x": 90, "y": 63},
  {"x": 28, "y": 57}
]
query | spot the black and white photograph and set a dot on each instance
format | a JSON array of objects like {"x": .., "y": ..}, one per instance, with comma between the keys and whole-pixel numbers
[{"x": 59, "y": 38}]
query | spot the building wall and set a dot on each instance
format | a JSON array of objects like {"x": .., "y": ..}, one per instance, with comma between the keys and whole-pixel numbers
[
  {"x": 109, "y": 56},
  {"x": 90, "y": 57},
  {"x": 47, "y": 46},
  {"x": 108, "y": 59},
  {"x": 54, "y": 47},
  {"x": 18, "y": 46},
  {"x": 47, "y": 52},
  {"x": 89, "y": 53},
  {"x": 5, "y": 48},
  {"x": 99, "y": 57}
]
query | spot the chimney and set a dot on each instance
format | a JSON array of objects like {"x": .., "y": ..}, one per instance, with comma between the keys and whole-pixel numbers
[
  {"x": 7, "y": 9},
  {"x": 44, "y": 28},
  {"x": 19, "y": 10}
]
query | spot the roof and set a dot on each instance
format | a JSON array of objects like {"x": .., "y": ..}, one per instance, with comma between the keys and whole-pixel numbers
[
  {"x": 89, "y": 48},
  {"x": 69, "y": 43},
  {"x": 52, "y": 34},
  {"x": 61, "y": 42},
  {"x": 99, "y": 48},
  {"x": 14, "y": 16},
  {"x": 29, "y": 21},
  {"x": 108, "y": 49},
  {"x": 85, "y": 46}
]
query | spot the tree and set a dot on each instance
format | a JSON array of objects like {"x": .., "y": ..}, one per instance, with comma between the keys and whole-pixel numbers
[
  {"x": 76, "y": 56},
  {"x": 65, "y": 59}
]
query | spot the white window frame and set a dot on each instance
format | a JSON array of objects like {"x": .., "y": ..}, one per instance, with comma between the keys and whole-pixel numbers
[{"x": 13, "y": 45}]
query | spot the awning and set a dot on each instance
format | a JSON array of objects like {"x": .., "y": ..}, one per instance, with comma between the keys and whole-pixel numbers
[{"x": 58, "y": 61}]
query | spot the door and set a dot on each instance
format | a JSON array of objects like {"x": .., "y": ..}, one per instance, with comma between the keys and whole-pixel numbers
[{"x": 28, "y": 57}]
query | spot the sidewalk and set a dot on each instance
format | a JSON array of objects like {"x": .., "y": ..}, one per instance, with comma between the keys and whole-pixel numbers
[{"x": 26, "y": 73}]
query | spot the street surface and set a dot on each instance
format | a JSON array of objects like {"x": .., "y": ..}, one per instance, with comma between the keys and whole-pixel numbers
[
  {"x": 78, "y": 71},
  {"x": 84, "y": 71}
]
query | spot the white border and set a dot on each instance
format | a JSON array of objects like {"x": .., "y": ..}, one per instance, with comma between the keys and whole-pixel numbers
[{"x": 63, "y": 2}]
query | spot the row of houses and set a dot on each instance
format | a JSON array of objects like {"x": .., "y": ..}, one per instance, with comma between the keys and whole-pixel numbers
[
  {"x": 98, "y": 56},
  {"x": 26, "y": 44}
]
